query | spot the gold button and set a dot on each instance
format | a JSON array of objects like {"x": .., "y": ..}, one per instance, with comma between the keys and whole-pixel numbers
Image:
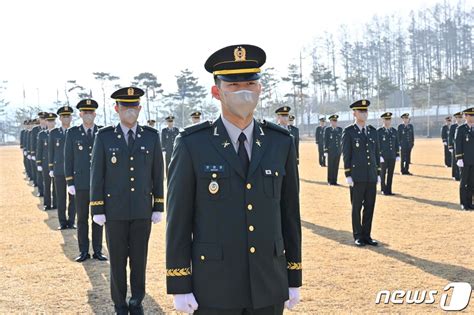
[
  {"x": 90, "y": 147},
  {"x": 252, "y": 249},
  {"x": 368, "y": 163},
  {"x": 131, "y": 168},
  {"x": 108, "y": 195},
  {"x": 367, "y": 151},
  {"x": 251, "y": 228},
  {"x": 90, "y": 154},
  {"x": 203, "y": 257},
  {"x": 249, "y": 186},
  {"x": 214, "y": 175},
  {"x": 131, "y": 158},
  {"x": 276, "y": 173},
  {"x": 250, "y": 207},
  {"x": 132, "y": 179},
  {"x": 132, "y": 189}
]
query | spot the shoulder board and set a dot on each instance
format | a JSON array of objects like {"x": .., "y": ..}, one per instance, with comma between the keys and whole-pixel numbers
[
  {"x": 73, "y": 128},
  {"x": 192, "y": 129},
  {"x": 273, "y": 126},
  {"x": 349, "y": 127},
  {"x": 149, "y": 128},
  {"x": 105, "y": 129},
  {"x": 372, "y": 127}
]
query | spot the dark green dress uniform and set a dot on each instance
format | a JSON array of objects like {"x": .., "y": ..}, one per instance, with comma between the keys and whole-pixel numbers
[
  {"x": 444, "y": 139},
  {"x": 234, "y": 238},
  {"x": 42, "y": 159},
  {"x": 464, "y": 149},
  {"x": 37, "y": 176},
  {"x": 455, "y": 173},
  {"x": 57, "y": 138},
  {"x": 332, "y": 146},
  {"x": 127, "y": 186},
  {"x": 406, "y": 136},
  {"x": 24, "y": 147},
  {"x": 77, "y": 165},
  {"x": 361, "y": 155},
  {"x": 167, "y": 141},
  {"x": 319, "y": 136},
  {"x": 295, "y": 132},
  {"x": 389, "y": 150}
]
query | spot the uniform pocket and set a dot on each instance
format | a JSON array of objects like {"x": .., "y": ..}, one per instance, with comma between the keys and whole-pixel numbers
[{"x": 272, "y": 179}]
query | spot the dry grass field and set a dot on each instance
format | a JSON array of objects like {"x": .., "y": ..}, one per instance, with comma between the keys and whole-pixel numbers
[{"x": 426, "y": 243}]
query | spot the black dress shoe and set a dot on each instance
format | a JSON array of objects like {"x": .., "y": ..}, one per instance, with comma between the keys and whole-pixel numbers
[
  {"x": 99, "y": 256},
  {"x": 371, "y": 242},
  {"x": 62, "y": 227},
  {"x": 82, "y": 257},
  {"x": 121, "y": 310},
  {"x": 358, "y": 242},
  {"x": 134, "y": 308}
]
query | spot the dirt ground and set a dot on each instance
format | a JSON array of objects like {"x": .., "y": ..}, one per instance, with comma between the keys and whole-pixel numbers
[{"x": 426, "y": 244}]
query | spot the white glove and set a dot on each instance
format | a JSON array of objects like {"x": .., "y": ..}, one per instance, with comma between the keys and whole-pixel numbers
[
  {"x": 379, "y": 180},
  {"x": 451, "y": 150},
  {"x": 294, "y": 299},
  {"x": 33, "y": 158},
  {"x": 397, "y": 159},
  {"x": 460, "y": 163},
  {"x": 39, "y": 168},
  {"x": 28, "y": 157},
  {"x": 51, "y": 174},
  {"x": 185, "y": 303},
  {"x": 24, "y": 153},
  {"x": 350, "y": 181},
  {"x": 99, "y": 219},
  {"x": 382, "y": 160},
  {"x": 445, "y": 143},
  {"x": 71, "y": 190},
  {"x": 156, "y": 217},
  {"x": 326, "y": 155}
]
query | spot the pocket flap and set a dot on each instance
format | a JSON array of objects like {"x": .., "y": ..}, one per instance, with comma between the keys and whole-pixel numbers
[{"x": 273, "y": 170}]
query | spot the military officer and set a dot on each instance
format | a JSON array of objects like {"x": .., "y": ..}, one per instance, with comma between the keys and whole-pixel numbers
[
  {"x": 151, "y": 123},
  {"x": 42, "y": 161},
  {"x": 168, "y": 135},
  {"x": 77, "y": 164},
  {"x": 319, "y": 136},
  {"x": 23, "y": 146},
  {"x": 196, "y": 117},
  {"x": 234, "y": 239},
  {"x": 32, "y": 123},
  {"x": 283, "y": 119},
  {"x": 389, "y": 152},
  {"x": 464, "y": 149},
  {"x": 444, "y": 138},
  {"x": 406, "y": 136},
  {"x": 127, "y": 195},
  {"x": 295, "y": 132},
  {"x": 56, "y": 142},
  {"x": 37, "y": 176},
  {"x": 332, "y": 149},
  {"x": 360, "y": 148},
  {"x": 451, "y": 143}
]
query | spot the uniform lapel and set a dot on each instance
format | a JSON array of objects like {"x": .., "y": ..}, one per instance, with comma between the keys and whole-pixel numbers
[
  {"x": 138, "y": 138},
  {"x": 258, "y": 147},
  {"x": 221, "y": 141},
  {"x": 120, "y": 137}
]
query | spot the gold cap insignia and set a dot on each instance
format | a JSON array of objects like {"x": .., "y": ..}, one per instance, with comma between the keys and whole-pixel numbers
[
  {"x": 88, "y": 102},
  {"x": 239, "y": 54},
  {"x": 66, "y": 108},
  {"x": 130, "y": 91},
  {"x": 364, "y": 102}
]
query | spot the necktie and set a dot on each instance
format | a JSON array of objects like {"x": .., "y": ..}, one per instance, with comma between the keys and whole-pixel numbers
[
  {"x": 131, "y": 140},
  {"x": 89, "y": 134},
  {"x": 242, "y": 153}
]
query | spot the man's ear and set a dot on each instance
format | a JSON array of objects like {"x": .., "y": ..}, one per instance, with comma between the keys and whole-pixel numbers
[
  {"x": 116, "y": 108},
  {"x": 215, "y": 92}
]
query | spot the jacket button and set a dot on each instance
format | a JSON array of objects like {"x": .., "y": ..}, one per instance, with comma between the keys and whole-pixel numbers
[
  {"x": 214, "y": 175},
  {"x": 132, "y": 179},
  {"x": 251, "y": 228},
  {"x": 249, "y": 207},
  {"x": 132, "y": 189},
  {"x": 249, "y": 186},
  {"x": 203, "y": 257},
  {"x": 276, "y": 173},
  {"x": 108, "y": 195},
  {"x": 252, "y": 250},
  {"x": 368, "y": 163},
  {"x": 131, "y": 158},
  {"x": 131, "y": 168}
]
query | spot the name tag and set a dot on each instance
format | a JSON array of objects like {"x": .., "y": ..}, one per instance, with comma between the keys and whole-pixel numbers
[{"x": 215, "y": 168}]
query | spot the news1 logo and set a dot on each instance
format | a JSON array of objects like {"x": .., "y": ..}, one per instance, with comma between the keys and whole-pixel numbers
[{"x": 460, "y": 296}]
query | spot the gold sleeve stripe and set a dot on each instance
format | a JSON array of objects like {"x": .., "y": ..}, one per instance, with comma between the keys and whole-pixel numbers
[
  {"x": 51, "y": 164},
  {"x": 180, "y": 272},
  {"x": 294, "y": 266},
  {"x": 69, "y": 177},
  {"x": 38, "y": 161},
  {"x": 347, "y": 170},
  {"x": 96, "y": 203},
  {"x": 159, "y": 200},
  {"x": 459, "y": 155}
]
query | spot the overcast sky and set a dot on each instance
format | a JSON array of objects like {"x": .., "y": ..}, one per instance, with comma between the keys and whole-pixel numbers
[{"x": 45, "y": 43}]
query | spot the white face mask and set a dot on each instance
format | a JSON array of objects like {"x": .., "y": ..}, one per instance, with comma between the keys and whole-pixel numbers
[
  {"x": 88, "y": 118},
  {"x": 241, "y": 103},
  {"x": 130, "y": 116}
]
